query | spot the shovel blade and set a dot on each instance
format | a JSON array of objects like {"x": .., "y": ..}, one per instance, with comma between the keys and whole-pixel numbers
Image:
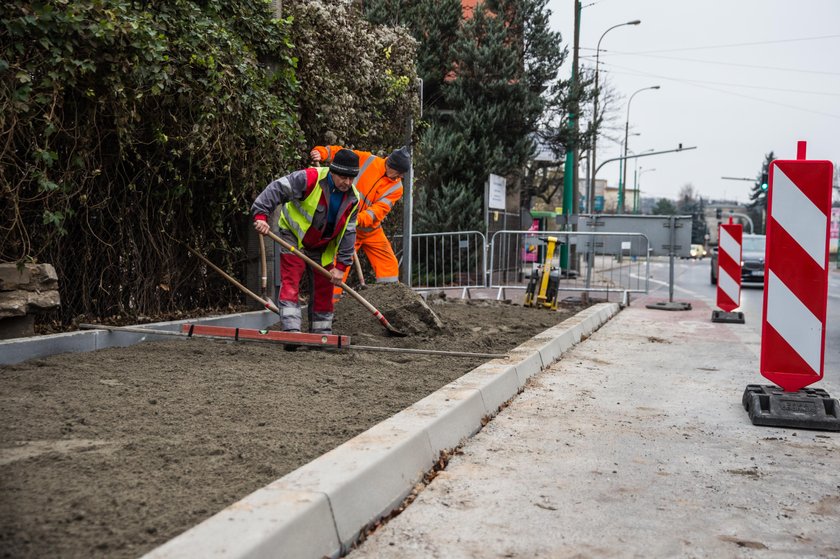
[{"x": 393, "y": 332}]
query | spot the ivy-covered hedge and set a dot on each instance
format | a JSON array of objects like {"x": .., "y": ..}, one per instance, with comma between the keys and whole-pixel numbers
[{"x": 127, "y": 128}]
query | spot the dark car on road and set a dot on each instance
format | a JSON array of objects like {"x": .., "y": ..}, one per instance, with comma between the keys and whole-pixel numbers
[{"x": 752, "y": 260}]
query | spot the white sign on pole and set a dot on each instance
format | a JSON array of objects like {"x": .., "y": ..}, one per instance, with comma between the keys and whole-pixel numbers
[{"x": 497, "y": 195}]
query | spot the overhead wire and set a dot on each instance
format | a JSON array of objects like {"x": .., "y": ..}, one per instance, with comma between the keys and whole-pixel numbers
[
  {"x": 698, "y": 84},
  {"x": 732, "y": 45},
  {"x": 728, "y": 45},
  {"x": 747, "y": 86},
  {"x": 701, "y": 83},
  {"x": 718, "y": 63},
  {"x": 654, "y": 53}
]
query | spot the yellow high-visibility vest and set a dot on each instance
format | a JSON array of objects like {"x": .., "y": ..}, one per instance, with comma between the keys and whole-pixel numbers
[{"x": 296, "y": 216}]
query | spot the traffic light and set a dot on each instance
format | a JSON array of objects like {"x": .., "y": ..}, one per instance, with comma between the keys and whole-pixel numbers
[
  {"x": 764, "y": 184},
  {"x": 718, "y": 213}
]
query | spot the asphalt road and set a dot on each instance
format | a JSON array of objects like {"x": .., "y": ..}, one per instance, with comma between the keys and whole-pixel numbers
[{"x": 691, "y": 280}]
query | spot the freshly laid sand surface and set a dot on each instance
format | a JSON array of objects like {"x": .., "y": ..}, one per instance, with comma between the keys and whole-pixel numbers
[{"x": 113, "y": 452}]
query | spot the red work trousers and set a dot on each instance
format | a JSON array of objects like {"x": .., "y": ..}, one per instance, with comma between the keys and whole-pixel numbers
[{"x": 292, "y": 268}]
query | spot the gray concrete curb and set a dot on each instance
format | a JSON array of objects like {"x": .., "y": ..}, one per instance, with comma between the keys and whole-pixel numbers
[
  {"x": 16, "y": 350},
  {"x": 321, "y": 508}
]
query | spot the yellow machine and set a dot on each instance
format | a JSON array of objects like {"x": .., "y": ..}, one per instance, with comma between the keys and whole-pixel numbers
[{"x": 548, "y": 279}]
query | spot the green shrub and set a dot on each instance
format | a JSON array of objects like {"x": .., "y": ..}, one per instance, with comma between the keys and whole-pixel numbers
[{"x": 127, "y": 127}]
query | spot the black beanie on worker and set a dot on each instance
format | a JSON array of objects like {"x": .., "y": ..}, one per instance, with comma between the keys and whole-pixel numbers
[
  {"x": 400, "y": 160},
  {"x": 345, "y": 163}
]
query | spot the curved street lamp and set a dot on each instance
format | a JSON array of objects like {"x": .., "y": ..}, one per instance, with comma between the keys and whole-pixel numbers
[
  {"x": 590, "y": 195},
  {"x": 623, "y": 182},
  {"x": 622, "y": 162},
  {"x": 637, "y": 184}
]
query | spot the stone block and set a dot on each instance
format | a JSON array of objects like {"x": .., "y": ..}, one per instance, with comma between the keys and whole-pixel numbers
[
  {"x": 498, "y": 383},
  {"x": 30, "y": 277},
  {"x": 31, "y": 288}
]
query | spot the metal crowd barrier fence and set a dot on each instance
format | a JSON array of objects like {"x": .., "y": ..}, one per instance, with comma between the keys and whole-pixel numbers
[
  {"x": 447, "y": 260},
  {"x": 582, "y": 261}
]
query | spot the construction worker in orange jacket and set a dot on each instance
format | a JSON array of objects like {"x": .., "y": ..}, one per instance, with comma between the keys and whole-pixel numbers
[{"x": 379, "y": 183}]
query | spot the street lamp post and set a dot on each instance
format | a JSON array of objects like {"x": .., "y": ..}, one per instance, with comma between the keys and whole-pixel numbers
[
  {"x": 623, "y": 181},
  {"x": 622, "y": 162},
  {"x": 590, "y": 195},
  {"x": 637, "y": 185}
]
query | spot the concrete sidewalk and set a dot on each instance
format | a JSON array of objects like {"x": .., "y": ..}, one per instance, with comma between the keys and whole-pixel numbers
[{"x": 634, "y": 444}]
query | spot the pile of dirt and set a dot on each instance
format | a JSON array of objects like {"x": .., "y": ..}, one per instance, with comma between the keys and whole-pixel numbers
[
  {"x": 402, "y": 307},
  {"x": 113, "y": 452}
]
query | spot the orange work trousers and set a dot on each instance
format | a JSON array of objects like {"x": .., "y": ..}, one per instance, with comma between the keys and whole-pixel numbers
[{"x": 381, "y": 256}]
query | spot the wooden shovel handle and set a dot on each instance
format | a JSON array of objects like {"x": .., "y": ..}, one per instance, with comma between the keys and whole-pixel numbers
[
  {"x": 358, "y": 266},
  {"x": 265, "y": 302},
  {"x": 263, "y": 269},
  {"x": 323, "y": 271}
]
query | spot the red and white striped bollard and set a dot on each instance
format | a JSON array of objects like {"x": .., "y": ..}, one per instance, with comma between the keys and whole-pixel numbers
[
  {"x": 729, "y": 266},
  {"x": 796, "y": 272}
]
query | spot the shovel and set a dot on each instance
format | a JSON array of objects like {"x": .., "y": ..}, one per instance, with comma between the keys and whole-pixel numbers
[
  {"x": 264, "y": 270},
  {"x": 323, "y": 271}
]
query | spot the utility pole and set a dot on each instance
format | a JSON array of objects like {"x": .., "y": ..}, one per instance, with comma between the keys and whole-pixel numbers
[
  {"x": 408, "y": 193},
  {"x": 570, "y": 176}
]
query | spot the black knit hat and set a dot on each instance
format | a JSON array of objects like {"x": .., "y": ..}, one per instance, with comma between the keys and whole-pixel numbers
[
  {"x": 400, "y": 160},
  {"x": 345, "y": 163}
]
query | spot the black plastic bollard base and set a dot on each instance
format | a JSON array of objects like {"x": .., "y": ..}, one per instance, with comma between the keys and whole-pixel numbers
[
  {"x": 669, "y": 306},
  {"x": 808, "y": 408},
  {"x": 728, "y": 317}
]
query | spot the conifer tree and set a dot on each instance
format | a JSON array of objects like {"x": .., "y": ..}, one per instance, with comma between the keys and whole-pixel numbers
[
  {"x": 664, "y": 207},
  {"x": 487, "y": 80},
  {"x": 757, "y": 206},
  {"x": 758, "y": 195}
]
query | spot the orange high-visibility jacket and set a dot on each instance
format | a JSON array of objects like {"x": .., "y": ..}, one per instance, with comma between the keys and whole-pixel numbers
[{"x": 378, "y": 192}]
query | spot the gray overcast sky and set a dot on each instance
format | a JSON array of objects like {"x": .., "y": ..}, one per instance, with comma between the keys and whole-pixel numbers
[{"x": 738, "y": 79}]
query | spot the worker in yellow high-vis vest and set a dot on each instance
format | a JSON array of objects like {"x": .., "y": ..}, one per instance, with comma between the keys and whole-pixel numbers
[{"x": 318, "y": 215}]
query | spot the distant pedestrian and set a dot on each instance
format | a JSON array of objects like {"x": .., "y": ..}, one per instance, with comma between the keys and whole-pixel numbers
[{"x": 318, "y": 215}]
